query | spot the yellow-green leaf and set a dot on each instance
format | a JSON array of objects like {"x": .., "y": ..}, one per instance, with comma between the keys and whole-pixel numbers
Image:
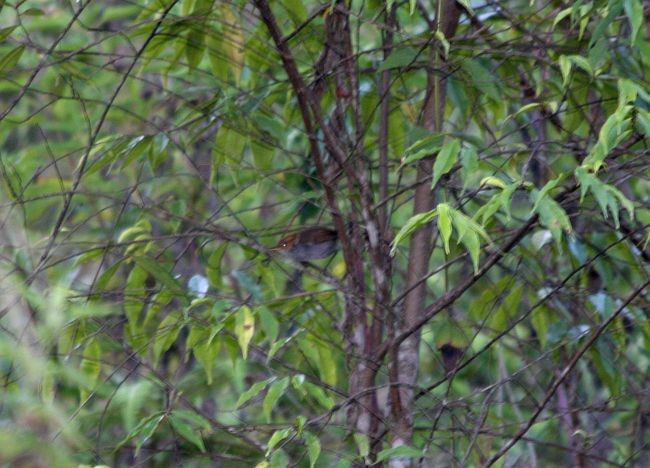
[{"x": 244, "y": 328}]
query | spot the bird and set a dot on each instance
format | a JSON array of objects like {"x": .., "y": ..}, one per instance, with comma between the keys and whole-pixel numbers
[{"x": 308, "y": 244}]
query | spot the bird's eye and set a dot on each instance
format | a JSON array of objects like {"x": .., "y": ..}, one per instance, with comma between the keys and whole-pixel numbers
[{"x": 284, "y": 244}]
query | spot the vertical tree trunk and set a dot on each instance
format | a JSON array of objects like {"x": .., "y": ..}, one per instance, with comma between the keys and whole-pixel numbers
[{"x": 407, "y": 356}]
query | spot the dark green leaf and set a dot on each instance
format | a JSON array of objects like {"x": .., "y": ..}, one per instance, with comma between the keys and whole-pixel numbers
[{"x": 186, "y": 431}]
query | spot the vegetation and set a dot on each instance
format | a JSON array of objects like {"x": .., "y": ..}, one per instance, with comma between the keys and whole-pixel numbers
[{"x": 484, "y": 165}]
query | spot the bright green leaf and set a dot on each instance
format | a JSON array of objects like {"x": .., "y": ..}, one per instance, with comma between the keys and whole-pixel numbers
[
  {"x": 363, "y": 444},
  {"x": 313, "y": 448},
  {"x": 276, "y": 390},
  {"x": 414, "y": 223},
  {"x": 634, "y": 13},
  {"x": 445, "y": 160},
  {"x": 244, "y": 328},
  {"x": 444, "y": 225}
]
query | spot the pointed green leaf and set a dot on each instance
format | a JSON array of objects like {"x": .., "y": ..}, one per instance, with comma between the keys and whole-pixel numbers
[
  {"x": 313, "y": 448},
  {"x": 276, "y": 390},
  {"x": 445, "y": 160},
  {"x": 363, "y": 444},
  {"x": 634, "y": 13},
  {"x": 403, "y": 451},
  {"x": 414, "y": 223},
  {"x": 186, "y": 431},
  {"x": 277, "y": 437},
  {"x": 252, "y": 392},
  {"x": 157, "y": 270},
  {"x": 10, "y": 60},
  {"x": 167, "y": 333},
  {"x": 444, "y": 225},
  {"x": 399, "y": 58},
  {"x": 244, "y": 328},
  {"x": 268, "y": 323}
]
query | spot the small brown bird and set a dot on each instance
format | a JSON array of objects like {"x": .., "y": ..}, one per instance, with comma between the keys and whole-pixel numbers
[{"x": 309, "y": 244}]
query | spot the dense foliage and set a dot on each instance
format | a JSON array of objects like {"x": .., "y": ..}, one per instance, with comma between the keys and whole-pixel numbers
[{"x": 484, "y": 163}]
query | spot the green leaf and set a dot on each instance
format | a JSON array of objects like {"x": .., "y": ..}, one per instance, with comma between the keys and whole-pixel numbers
[
  {"x": 233, "y": 46},
  {"x": 445, "y": 160},
  {"x": 268, "y": 323},
  {"x": 277, "y": 437},
  {"x": 544, "y": 191},
  {"x": 86, "y": 256},
  {"x": 102, "y": 282},
  {"x": 524, "y": 109},
  {"x": 399, "y": 58},
  {"x": 167, "y": 333},
  {"x": 32, "y": 12},
  {"x": 157, "y": 270},
  {"x": 468, "y": 6},
  {"x": 444, "y": 42},
  {"x": 468, "y": 233},
  {"x": 313, "y": 448},
  {"x": 613, "y": 10},
  {"x": 262, "y": 155},
  {"x": 327, "y": 367},
  {"x": 213, "y": 266},
  {"x": 244, "y": 328},
  {"x": 444, "y": 225},
  {"x": 204, "y": 348},
  {"x": 276, "y": 390},
  {"x": 551, "y": 215},
  {"x": 252, "y": 392},
  {"x": 607, "y": 196},
  {"x": 277, "y": 346},
  {"x": 143, "y": 226},
  {"x": 134, "y": 294},
  {"x": 279, "y": 459},
  {"x": 106, "y": 158},
  {"x": 10, "y": 60},
  {"x": 5, "y": 32},
  {"x": 363, "y": 444},
  {"x": 565, "y": 69},
  {"x": 627, "y": 92},
  {"x": 296, "y": 11},
  {"x": 561, "y": 15},
  {"x": 132, "y": 399},
  {"x": 616, "y": 128},
  {"x": 229, "y": 145},
  {"x": 643, "y": 121},
  {"x": 186, "y": 431},
  {"x": 319, "y": 395},
  {"x": 134, "y": 150},
  {"x": 469, "y": 161},
  {"x": 422, "y": 148},
  {"x": 195, "y": 46},
  {"x": 507, "y": 310},
  {"x": 403, "y": 451},
  {"x": 144, "y": 431},
  {"x": 414, "y": 223},
  {"x": 634, "y": 12},
  {"x": 493, "y": 181},
  {"x": 583, "y": 63},
  {"x": 499, "y": 200},
  {"x": 482, "y": 78},
  {"x": 91, "y": 366}
]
